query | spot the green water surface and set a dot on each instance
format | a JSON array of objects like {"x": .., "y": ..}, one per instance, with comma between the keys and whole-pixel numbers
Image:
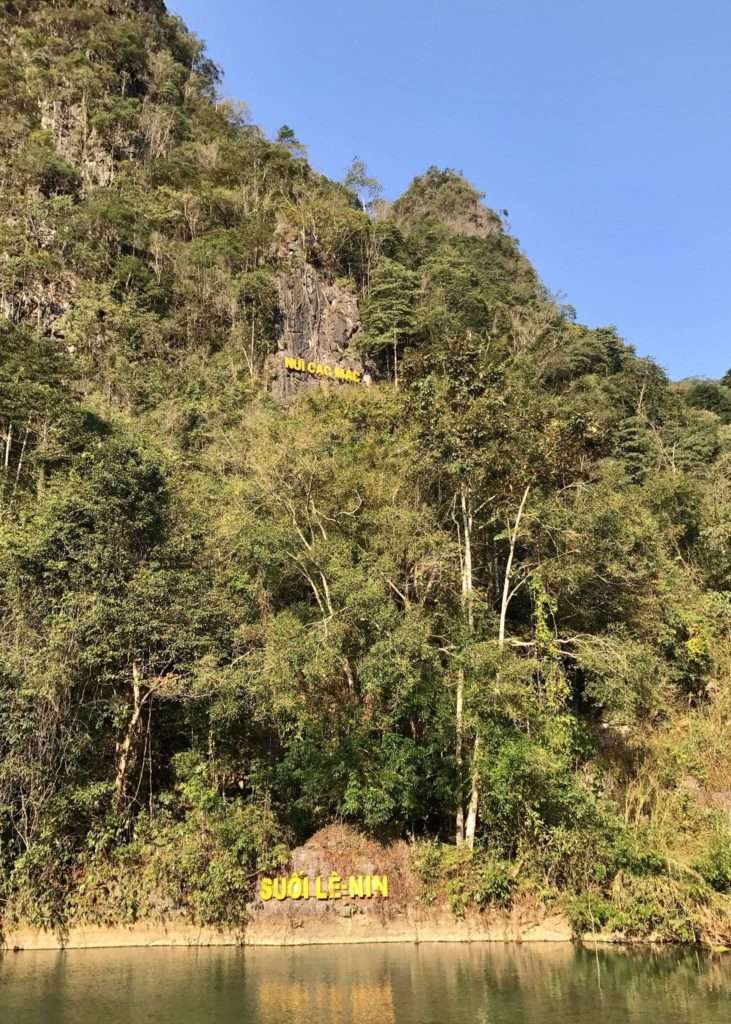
[{"x": 379, "y": 984}]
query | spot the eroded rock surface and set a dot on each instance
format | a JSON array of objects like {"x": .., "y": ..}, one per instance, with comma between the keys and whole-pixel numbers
[{"x": 319, "y": 324}]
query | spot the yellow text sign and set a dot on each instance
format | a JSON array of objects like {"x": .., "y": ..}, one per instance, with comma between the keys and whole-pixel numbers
[
  {"x": 329, "y": 887},
  {"x": 321, "y": 370}
]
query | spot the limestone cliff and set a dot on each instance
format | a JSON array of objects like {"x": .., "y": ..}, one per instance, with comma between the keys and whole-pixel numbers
[{"x": 319, "y": 322}]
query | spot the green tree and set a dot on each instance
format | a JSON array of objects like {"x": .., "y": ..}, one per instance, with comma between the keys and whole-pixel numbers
[
  {"x": 389, "y": 310},
  {"x": 367, "y": 188}
]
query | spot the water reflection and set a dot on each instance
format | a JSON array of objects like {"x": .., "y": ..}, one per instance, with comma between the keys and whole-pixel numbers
[
  {"x": 317, "y": 1001},
  {"x": 389, "y": 984}
]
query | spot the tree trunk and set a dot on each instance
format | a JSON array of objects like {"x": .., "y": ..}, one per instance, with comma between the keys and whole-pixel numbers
[
  {"x": 8, "y": 445},
  {"x": 19, "y": 468},
  {"x": 467, "y": 574},
  {"x": 124, "y": 747},
  {"x": 471, "y": 826},
  {"x": 507, "y": 596},
  {"x": 459, "y": 757},
  {"x": 468, "y": 607}
]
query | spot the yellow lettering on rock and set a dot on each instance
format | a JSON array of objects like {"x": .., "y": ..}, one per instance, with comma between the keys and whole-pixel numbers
[
  {"x": 355, "y": 886},
  {"x": 321, "y": 369},
  {"x": 380, "y": 885},
  {"x": 334, "y": 887},
  {"x": 294, "y": 888}
]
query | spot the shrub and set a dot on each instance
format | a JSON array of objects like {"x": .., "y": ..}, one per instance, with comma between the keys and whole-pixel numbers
[
  {"x": 716, "y": 866},
  {"x": 466, "y": 878}
]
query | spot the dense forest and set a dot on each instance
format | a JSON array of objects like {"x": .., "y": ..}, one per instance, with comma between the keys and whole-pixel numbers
[{"x": 480, "y": 600}]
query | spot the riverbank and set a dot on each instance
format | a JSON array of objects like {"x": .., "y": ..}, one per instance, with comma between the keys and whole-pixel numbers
[
  {"x": 342, "y": 888},
  {"x": 415, "y": 927},
  {"x": 291, "y": 930}
]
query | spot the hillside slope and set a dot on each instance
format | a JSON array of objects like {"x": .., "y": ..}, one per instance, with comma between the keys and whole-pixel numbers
[{"x": 461, "y": 577}]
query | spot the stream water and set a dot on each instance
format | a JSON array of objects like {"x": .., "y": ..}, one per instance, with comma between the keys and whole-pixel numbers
[{"x": 373, "y": 984}]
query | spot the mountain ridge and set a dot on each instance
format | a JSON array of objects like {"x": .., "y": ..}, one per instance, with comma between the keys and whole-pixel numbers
[{"x": 477, "y": 600}]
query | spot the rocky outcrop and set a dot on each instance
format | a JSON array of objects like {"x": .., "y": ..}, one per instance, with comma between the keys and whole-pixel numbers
[
  {"x": 77, "y": 141},
  {"x": 319, "y": 322}
]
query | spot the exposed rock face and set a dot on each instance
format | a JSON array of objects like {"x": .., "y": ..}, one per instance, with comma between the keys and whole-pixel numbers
[
  {"x": 319, "y": 322},
  {"x": 346, "y": 852},
  {"x": 76, "y": 141}
]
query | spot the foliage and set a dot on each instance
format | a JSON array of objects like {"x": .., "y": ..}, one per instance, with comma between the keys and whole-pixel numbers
[
  {"x": 664, "y": 909},
  {"x": 466, "y": 879},
  {"x": 494, "y": 584},
  {"x": 716, "y": 866}
]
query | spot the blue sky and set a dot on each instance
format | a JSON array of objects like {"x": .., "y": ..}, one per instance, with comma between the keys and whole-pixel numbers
[{"x": 603, "y": 128}]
